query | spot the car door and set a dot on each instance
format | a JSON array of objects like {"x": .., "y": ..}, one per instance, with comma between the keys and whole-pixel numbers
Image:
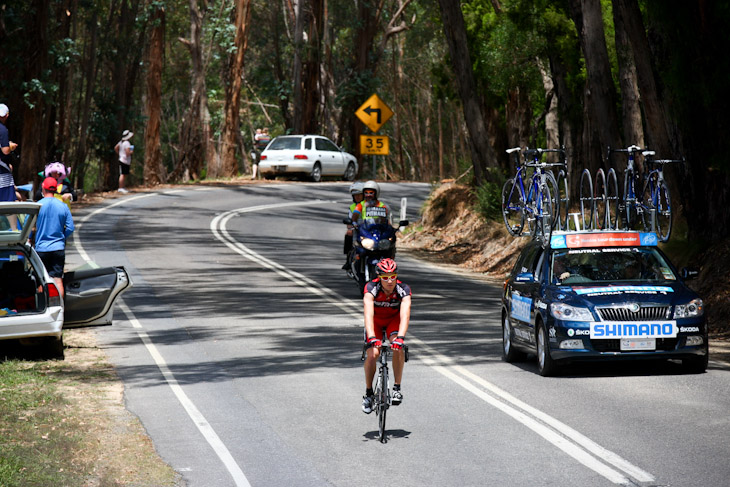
[
  {"x": 91, "y": 293},
  {"x": 524, "y": 293},
  {"x": 330, "y": 156}
]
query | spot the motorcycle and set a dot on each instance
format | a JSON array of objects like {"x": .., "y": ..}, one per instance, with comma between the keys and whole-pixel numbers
[{"x": 371, "y": 242}]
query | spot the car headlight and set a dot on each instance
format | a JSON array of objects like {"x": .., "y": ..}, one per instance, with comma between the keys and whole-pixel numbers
[
  {"x": 693, "y": 308},
  {"x": 368, "y": 243},
  {"x": 384, "y": 244},
  {"x": 566, "y": 312}
]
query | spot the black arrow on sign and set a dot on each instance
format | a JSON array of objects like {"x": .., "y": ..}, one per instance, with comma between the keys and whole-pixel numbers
[{"x": 369, "y": 111}]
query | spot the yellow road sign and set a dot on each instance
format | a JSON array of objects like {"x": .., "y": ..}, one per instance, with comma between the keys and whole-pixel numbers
[
  {"x": 377, "y": 145},
  {"x": 374, "y": 113}
]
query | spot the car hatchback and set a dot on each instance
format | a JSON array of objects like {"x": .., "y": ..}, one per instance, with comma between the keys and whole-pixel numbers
[
  {"x": 601, "y": 296},
  {"x": 312, "y": 156},
  {"x": 31, "y": 308}
]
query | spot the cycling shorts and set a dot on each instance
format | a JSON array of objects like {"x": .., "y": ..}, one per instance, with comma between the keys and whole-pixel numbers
[{"x": 390, "y": 325}]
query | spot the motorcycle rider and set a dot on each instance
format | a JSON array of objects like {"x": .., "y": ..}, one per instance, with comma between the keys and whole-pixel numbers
[
  {"x": 371, "y": 208},
  {"x": 356, "y": 189}
]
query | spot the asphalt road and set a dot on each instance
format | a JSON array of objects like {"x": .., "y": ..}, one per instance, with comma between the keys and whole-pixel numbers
[{"x": 239, "y": 348}]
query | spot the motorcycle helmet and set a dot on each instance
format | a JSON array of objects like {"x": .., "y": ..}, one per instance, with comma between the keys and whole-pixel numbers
[
  {"x": 386, "y": 266},
  {"x": 56, "y": 167},
  {"x": 356, "y": 188},
  {"x": 372, "y": 185}
]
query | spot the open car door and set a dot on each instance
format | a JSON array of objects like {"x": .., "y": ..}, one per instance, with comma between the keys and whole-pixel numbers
[{"x": 90, "y": 295}]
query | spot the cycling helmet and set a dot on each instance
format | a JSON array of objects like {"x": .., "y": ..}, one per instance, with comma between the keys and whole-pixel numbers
[
  {"x": 372, "y": 185},
  {"x": 386, "y": 266},
  {"x": 356, "y": 188},
  {"x": 57, "y": 167}
]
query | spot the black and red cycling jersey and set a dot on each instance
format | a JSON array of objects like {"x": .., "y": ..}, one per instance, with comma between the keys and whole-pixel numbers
[{"x": 387, "y": 306}]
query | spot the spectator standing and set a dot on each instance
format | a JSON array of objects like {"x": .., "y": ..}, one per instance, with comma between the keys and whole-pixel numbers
[
  {"x": 7, "y": 184},
  {"x": 53, "y": 227},
  {"x": 260, "y": 140},
  {"x": 124, "y": 148}
]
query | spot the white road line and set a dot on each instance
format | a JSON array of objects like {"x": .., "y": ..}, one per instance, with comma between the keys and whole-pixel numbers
[
  {"x": 573, "y": 443},
  {"x": 195, "y": 415}
]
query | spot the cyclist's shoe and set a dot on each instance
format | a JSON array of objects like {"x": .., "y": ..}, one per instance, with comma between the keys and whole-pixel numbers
[
  {"x": 397, "y": 397},
  {"x": 367, "y": 404}
]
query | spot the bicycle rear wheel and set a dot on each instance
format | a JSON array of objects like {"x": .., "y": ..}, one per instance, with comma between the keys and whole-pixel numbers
[
  {"x": 512, "y": 212},
  {"x": 648, "y": 203},
  {"x": 612, "y": 197},
  {"x": 601, "y": 199},
  {"x": 663, "y": 212},
  {"x": 587, "y": 203}
]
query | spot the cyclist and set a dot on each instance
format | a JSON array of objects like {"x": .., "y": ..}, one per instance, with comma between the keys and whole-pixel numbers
[
  {"x": 371, "y": 208},
  {"x": 356, "y": 189},
  {"x": 387, "y": 305}
]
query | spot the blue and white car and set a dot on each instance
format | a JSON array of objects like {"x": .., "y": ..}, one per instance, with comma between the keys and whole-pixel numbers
[{"x": 600, "y": 296}]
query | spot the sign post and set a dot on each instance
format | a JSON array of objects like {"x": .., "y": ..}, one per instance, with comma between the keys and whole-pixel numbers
[{"x": 374, "y": 113}]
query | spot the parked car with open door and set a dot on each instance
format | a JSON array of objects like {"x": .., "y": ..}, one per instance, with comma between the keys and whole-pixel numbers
[{"x": 31, "y": 308}]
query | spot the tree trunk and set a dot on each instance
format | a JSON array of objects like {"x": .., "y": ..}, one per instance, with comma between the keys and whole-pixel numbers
[
  {"x": 482, "y": 153},
  {"x": 231, "y": 130},
  {"x": 85, "y": 109},
  {"x": 630, "y": 103},
  {"x": 600, "y": 128},
  {"x": 311, "y": 79},
  {"x": 154, "y": 171}
]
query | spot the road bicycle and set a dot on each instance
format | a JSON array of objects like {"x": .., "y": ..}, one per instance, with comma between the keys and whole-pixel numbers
[
  {"x": 630, "y": 206},
  {"x": 382, "y": 397},
  {"x": 535, "y": 202},
  {"x": 656, "y": 202}
]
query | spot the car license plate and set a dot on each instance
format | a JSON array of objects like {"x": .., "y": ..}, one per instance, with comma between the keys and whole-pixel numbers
[
  {"x": 628, "y": 344},
  {"x": 279, "y": 168}
]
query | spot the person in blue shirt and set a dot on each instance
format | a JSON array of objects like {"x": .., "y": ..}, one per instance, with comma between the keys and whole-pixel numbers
[{"x": 53, "y": 227}]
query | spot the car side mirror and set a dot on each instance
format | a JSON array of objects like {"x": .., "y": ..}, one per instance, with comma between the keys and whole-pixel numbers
[
  {"x": 403, "y": 223},
  {"x": 525, "y": 277},
  {"x": 347, "y": 221},
  {"x": 689, "y": 273}
]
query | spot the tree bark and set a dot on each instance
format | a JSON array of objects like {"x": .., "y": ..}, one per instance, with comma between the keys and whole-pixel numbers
[
  {"x": 630, "y": 102},
  {"x": 231, "y": 130},
  {"x": 482, "y": 153},
  {"x": 600, "y": 128},
  {"x": 154, "y": 170}
]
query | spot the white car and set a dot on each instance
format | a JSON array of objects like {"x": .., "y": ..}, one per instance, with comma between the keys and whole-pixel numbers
[
  {"x": 312, "y": 156},
  {"x": 31, "y": 308}
]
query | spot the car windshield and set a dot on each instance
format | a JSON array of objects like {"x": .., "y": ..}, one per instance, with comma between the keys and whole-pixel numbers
[
  {"x": 285, "y": 143},
  {"x": 633, "y": 264}
]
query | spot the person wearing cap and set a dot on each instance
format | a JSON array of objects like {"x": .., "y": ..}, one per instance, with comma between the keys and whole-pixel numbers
[
  {"x": 124, "y": 148},
  {"x": 7, "y": 184},
  {"x": 53, "y": 227}
]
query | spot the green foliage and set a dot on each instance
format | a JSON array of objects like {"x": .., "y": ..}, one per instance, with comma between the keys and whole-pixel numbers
[{"x": 488, "y": 197}]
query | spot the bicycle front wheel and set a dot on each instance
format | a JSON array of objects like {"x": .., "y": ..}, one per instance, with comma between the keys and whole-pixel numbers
[
  {"x": 648, "y": 203},
  {"x": 545, "y": 218},
  {"x": 512, "y": 211},
  {"x": 629, "y": 200},
  {"x": 612, "y": 197},
  {"x": 563, "y": 201},
  {"x": 381, "y": 396},
  {"x": 601, "y": 200},
  {"x": 587, "y": 203}
]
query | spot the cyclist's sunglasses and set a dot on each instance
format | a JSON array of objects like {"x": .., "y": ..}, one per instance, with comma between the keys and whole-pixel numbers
[{"x": 389, "y": 278}]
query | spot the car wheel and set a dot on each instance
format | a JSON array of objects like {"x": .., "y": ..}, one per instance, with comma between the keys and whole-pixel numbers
[
  {"x": 350, "y": 172},
  {"x": 546, "y": 366},
  {"x": 509, "y": 353},
  {"x": 316, "y": 174}
]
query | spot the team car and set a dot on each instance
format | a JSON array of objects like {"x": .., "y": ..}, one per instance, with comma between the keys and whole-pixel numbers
[
  {"x": 601, "y": 295},
  {"x": 31, "y": 308},
  {"x": 312, "y": 156}
]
